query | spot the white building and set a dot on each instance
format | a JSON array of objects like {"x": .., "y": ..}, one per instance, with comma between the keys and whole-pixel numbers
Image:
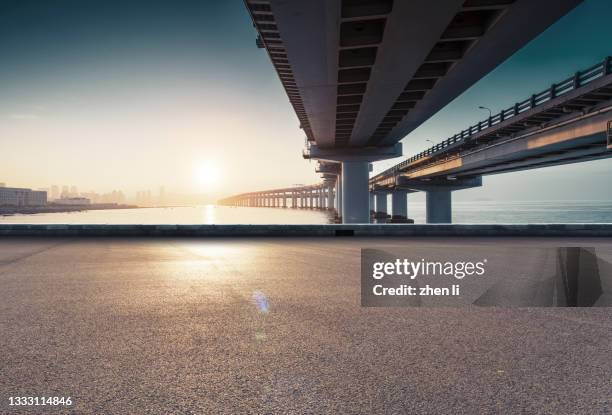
[{"x": 14, "y": 196}]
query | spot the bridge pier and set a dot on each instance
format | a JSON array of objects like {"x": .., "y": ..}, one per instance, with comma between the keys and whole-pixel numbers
[
  {"x": 322, "y": 198},
  {"x": 381, "y": 204},
  {"x": 438, "y": 206},
  {"x": 399, "y": 205},
  {"x": 355, "y": 173},
  {"x": 339, "y": 196},
  {"x": 330, "y": 197},
  {"x": 438, "y": 194},
  {"x": 355, "y": 192}
]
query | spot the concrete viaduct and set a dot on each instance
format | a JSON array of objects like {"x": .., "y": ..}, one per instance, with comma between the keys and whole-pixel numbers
[{"x": 362, "y": 74}]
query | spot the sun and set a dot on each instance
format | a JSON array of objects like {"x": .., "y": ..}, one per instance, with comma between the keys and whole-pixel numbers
[{"x": 207, "y": 174}]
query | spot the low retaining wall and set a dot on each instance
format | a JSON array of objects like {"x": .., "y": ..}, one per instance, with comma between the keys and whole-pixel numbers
[{"x": 565, "y": 230}]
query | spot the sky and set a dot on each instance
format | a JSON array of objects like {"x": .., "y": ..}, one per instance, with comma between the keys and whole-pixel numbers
[{"x": 135, "y": 95}]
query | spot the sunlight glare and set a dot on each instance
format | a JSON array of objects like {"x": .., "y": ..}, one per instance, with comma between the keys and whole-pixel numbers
[{"x": 207, "y": 175}]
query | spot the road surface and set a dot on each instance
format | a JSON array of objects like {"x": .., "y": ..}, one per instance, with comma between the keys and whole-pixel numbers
[{"x": 174, "y": 326}]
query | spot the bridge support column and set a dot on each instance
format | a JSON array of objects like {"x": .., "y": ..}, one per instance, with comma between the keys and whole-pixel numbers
[
  {"x": 339, "y": 196},
  {"x": 322, "y": 198},
  {"x": 330, "y": 197},
  {"x": 355, "y": 199},
  {"x": 381, "y": 205},
  {"x": 399, "y": 205},
  {"x": 438, "y": 194},
  {"x": 439, "y": 207}
]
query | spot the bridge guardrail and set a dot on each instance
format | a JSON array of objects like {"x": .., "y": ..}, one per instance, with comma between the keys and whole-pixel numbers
[{"x": 579, "y": 79}]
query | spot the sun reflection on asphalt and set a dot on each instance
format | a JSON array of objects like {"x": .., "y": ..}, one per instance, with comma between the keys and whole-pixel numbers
[
  {"x": 261, "y": 302},
  {"x": 263, "y": 307}
]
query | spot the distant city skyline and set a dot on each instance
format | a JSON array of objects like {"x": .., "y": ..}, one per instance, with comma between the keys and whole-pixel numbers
[
  {"x": 138, "y": 95},
  {"x": 146, "y": 197}
]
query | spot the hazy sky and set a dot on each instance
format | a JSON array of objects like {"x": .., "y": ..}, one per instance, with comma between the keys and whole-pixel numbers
[{"x": 136, "y": 94}]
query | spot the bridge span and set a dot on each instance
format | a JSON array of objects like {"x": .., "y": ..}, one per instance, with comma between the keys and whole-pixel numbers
[
  {"x": 362, "y": 74},
  {"x": 316, "y": 196},
  {"x": 568, "y": 122}
]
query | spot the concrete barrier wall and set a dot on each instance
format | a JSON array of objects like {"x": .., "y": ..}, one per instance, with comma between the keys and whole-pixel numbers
[{"x": 564, "y": 230}]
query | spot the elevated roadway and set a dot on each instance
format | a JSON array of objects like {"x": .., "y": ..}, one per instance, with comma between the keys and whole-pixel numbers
[
  {"x": 569, "y": 122},
  {"x": 362, "y": 74}
]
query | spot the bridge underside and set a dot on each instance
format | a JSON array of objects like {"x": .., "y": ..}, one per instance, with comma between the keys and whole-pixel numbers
[
  {"x": 582, "y": 140},
  {"x": 362, "y": 74},
  {"x": 367, "y": 72}
]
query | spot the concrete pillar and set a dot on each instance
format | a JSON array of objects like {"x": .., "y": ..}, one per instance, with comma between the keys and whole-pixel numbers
[
  {"x": 439, "y": 208},
  {"x": 339, "y": 195},
  {"x": 330, "y": 197},
  {"x": 372, "y": 203},
  {"x": 322, "y": 197},
  {"x": 399, "y": 204},
  {"x": 355, "y": 199},
  {"x": 381, "y": 203}
]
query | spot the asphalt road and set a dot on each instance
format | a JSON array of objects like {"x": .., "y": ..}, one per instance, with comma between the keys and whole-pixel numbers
[{"x": 275, "y": 326}]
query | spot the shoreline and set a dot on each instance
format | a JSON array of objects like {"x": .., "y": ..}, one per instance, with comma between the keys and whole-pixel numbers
[{"x": 32, "y": 210}]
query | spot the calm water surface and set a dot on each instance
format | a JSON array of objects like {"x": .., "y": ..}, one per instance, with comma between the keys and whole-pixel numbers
[{"x": 463, "y": 212}]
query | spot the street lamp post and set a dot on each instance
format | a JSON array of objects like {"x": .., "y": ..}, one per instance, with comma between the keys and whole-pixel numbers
[{"x": 485, "y": 108}]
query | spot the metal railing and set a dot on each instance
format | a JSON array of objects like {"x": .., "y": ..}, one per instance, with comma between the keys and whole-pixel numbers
[{"x": 579, "y": 79}]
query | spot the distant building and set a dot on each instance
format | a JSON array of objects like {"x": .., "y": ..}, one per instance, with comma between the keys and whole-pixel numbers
[
  {"x": 55, "y": 194},
  {"x": 14, "y": 196},
  {"x": 73, "y": 201}
]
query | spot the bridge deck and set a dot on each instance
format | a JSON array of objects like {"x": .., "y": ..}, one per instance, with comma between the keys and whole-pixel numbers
[{"x": 585, "y": 92}]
